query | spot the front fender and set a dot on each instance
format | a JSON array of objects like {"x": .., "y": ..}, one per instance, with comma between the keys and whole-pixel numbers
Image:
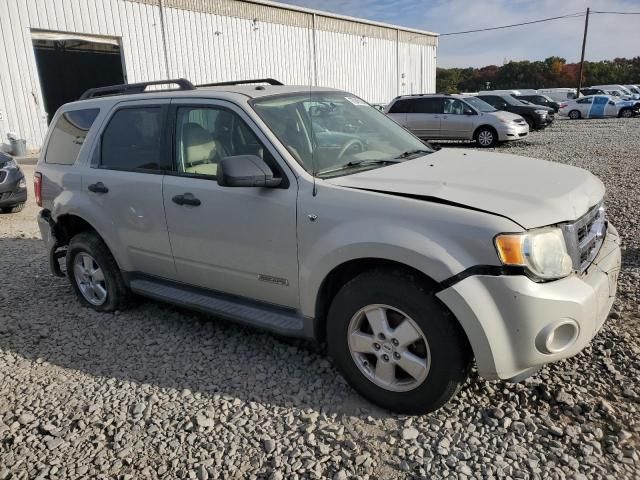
[{"x": 347, "y": 224}]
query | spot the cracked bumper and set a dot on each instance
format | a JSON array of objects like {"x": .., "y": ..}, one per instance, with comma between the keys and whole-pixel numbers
[{"x": 514, "y": 324}]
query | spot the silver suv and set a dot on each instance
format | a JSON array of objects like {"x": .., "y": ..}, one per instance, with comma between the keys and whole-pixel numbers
[
  {"x": 456, "y": 117},
  {"x": 307, "y": 212}
]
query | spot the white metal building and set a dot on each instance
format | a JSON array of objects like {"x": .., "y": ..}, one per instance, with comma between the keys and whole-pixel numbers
[{"x": 52, "y": 50}]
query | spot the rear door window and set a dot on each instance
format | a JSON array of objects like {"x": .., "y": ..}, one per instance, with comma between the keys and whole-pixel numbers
[
  {"x": 428, "y": 105},
  {"x": 133, "y": 140},
  {"x": 68, "y": 136}
]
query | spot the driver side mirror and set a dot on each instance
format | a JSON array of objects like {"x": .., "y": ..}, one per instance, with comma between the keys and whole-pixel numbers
[
  {"x": 503, "y": 106},
  {"x": 469, "y": 112},
  {"x": 245, "y": 171}
]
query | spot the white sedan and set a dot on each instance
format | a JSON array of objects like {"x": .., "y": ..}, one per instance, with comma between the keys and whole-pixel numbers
[{"x": 597, "y": 106}]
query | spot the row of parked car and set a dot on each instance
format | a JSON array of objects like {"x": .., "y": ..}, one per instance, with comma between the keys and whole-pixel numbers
[{"x": 494, "y": 116}]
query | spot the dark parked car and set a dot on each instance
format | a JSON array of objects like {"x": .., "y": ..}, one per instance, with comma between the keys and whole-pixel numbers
[
  {"x": 13, "y": 188},
  {"x": 592, "y": 91},
  {"x": 540, "y": 100},
  {"x": 537, "y": 116}
]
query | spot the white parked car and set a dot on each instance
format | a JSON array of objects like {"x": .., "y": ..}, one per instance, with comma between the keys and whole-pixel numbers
[
  {"x": 619, "y": 91},
  {"x": 559, "y": 94},
  {"x": 597, "y": 106}
]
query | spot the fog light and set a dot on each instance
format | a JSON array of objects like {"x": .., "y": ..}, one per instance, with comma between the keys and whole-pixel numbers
[{"x": 558, "y": 336}]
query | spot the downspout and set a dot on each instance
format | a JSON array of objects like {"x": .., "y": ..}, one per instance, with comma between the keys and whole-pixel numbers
[
  {"x": 164, "y": 39},
  {"x": 398, "y": 61},
  {"x": 315, "y": 53}
]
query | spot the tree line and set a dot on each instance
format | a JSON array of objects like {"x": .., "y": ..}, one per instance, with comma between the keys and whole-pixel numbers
[{"x": 552, "y": 72}]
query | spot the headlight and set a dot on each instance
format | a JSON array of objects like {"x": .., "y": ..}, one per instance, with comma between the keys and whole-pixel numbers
[
  {"x": 543, "y": 252},
  {"x": 10, "y": 165},
  {"x": 22, "y": 184},
  {"x": 540, "y": 112}
]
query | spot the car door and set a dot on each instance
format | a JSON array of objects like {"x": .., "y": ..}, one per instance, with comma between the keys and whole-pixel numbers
[
  {"x": 235, "y": 240},
  {"x": 424, "y": 117},
  {"x": 598, "y": 106},
  {"x": 123, "y": 185},
  {"x": 583, "y": 105},
  {"x": 611, "y": 109},
  {"x": 457, "y": 120}
]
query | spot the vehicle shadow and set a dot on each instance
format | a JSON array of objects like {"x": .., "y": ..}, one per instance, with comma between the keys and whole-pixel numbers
[{"x": 157, "y": 344}]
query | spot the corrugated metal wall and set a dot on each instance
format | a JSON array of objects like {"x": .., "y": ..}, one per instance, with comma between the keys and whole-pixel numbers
[{"x": 211, "y": 40}]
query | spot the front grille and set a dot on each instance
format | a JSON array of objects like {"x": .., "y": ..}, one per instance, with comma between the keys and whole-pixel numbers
[
  {"x": 584, "y": 237},
  {"x": 5, "y": 196},
  {"x": 3, "y": 175}
]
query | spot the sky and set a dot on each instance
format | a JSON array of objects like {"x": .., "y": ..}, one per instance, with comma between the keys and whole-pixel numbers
[{"x": 609, "y": 36}]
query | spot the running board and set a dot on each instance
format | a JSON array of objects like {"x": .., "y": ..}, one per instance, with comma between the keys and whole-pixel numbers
[{"x": 268, "y": 317}]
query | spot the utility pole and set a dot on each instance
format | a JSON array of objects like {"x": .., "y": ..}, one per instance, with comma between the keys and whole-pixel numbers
[{"x": 584, "y": 44}]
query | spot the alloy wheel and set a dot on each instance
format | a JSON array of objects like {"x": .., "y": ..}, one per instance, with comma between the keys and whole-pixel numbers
[
  {"x": 389, "y": 348},
  {"x": 90, "y": 279},
  {"x": 485, "y": 138}
]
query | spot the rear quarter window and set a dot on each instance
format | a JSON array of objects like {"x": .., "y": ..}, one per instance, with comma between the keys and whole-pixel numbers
[
  {"x": 68, "y": 136},
  {"x": 400, "y": 106}
]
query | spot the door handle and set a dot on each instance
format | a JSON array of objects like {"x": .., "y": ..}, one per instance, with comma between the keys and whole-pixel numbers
[
  {"x": 186, "y": 199},
  {"x": 98, "y": 188}
]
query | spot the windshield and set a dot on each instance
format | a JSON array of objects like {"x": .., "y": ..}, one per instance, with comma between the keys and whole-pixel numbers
[
  {"x": 334, "y": 133},
  {"x": 480, "y": 105}
]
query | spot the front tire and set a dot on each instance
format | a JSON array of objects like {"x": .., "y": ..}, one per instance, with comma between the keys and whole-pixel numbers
[
  {"x": 395, "y": 343},
  {"x": 486, "y": 137},
  {"x": 625, "y": 113},
  {"x": 94, "y": 274},
  {"x": 574, "y": 115}
]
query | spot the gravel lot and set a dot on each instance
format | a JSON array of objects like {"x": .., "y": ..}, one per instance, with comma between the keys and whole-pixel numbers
[{"x": 160, "y": 392}]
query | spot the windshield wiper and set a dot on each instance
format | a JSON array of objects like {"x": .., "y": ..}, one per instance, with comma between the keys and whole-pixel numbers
[
  {"x": 412, "y": 153},
  {"x": 359, "y": 163}
]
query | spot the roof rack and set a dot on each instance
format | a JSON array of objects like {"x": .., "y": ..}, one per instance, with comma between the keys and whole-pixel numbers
[
  {"x": 131, "y": 88},
  {"x": 270, "y": 81}
]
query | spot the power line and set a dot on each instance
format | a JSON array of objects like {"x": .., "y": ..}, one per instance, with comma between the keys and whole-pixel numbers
[
  {"x": 619, "y": 13},
  {"x": 571, "y": 15}
]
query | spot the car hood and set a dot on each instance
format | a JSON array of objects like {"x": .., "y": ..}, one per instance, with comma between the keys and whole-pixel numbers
[
  {"x": 504, "y": 115},
  {"x": 531, "y": 192}
]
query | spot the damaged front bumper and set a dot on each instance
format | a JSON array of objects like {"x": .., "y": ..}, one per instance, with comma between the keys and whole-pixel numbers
[{"x": 516, "y": 326}]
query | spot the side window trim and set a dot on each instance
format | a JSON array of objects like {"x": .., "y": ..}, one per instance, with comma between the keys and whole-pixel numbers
[
  {"x": 222, "y": 105},
  {"x": 96, "y": 158}
]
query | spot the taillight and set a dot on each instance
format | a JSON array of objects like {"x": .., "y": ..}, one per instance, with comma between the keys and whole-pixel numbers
[
  {"x": 37, "y": 187},
  {"x": 563, "y": 105}
]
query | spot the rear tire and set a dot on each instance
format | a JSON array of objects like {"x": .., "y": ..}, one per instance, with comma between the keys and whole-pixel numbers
[
  {"x": 13, "y": 209},
  {"x": 439, "y": 358},
  {"x": 574, "y": 115},
  {"x": 94, "y": 274},
  {"x": 486, "y": 137}
]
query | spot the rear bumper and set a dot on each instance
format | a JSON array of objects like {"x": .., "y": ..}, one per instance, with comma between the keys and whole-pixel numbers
[
  {"x": 515, "y": 325},
  {"x": 47, "y": 232}
]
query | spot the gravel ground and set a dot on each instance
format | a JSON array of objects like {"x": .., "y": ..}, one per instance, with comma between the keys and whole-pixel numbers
[{"x": 159, "y": 392}]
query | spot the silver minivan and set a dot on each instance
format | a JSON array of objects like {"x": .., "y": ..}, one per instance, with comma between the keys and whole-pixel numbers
[{"x": 456, "y": 117}]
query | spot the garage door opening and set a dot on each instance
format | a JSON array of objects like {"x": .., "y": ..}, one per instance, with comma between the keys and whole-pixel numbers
[{"x": 68, "y": 64}]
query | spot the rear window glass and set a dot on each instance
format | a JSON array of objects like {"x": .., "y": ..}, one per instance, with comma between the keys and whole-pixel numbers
[
  {"x": 133, "y": 139},
  {"x": 68, "y": 136}
]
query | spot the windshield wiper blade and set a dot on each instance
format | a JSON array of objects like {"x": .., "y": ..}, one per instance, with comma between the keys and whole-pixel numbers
[
  {"x": 413, "y": 152},
  {"x": 359, "y": 163}
]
